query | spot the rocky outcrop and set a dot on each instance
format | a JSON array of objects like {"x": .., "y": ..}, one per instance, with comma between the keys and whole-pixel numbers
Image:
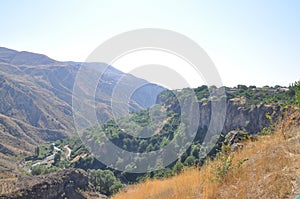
[
  {"x": 59, "y": 185},
  {"x": 238, "y": 116},
  {"x": 253, "y": 119}
]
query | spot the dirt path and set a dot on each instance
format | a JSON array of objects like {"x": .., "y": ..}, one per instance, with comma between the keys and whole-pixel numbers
[{"x": 68, "y": 151}]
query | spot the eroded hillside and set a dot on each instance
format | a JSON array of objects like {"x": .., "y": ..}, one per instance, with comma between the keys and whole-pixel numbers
[{"x": 36, "y": 100}]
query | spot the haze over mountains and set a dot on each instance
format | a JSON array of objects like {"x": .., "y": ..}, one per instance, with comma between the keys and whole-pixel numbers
[{"x": 36, "y": 99}]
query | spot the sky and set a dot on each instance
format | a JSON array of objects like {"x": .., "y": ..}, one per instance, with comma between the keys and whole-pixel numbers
[{"x": 253, "y": 42}]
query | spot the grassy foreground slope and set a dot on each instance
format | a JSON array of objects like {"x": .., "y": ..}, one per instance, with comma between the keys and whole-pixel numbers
[{"x": 266, "y": 168}]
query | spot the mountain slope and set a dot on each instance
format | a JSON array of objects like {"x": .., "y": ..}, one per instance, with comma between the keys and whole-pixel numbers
[
  {"x": 23, "y": 58},
  {"x": 249, "y": 110},
  {"x": 266, "y": 168},
  {"x": 36, "y": 97}
]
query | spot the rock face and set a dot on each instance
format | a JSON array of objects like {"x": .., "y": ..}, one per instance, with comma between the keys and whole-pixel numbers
[
  {"x": 238, "y": 115},
  {"x": 59, "y": 185},
  {"x": 252, "y": 119}
]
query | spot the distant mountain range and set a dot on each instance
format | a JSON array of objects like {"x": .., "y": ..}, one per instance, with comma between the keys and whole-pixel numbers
[
  {"x": 36, "y": 95},
  {"x": 36, "y": 99}
]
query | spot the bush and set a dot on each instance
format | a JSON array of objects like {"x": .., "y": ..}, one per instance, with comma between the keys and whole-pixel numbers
[
  {"x": 104, "y": 181},
  {"x": 224, "y": 167},
  {"x": 43, "y": 169},
  {"x": 189, "y": 161},
  {"x": 178, "y": 167}
]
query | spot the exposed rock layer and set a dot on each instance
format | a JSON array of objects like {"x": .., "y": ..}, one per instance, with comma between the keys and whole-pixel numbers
[{"x": 59, "y": 185}]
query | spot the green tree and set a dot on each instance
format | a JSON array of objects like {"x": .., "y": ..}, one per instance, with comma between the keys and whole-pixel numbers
[
  {"x": 297, "y": 93},
  {"x": 104, "y": 181},
  {"x": 52, "y": 147},
  {"x": 57, "y": 158},
  {"x": 189, "y": 161},
  {"x": 37, "y": 170},
  {"x": 242, "y": 87},
  {"x": 163, "y": 173},
  {"x": 37, "y": 151},
  {"x": 42, "y": 169},
  {"x": 178, "y": 167}
]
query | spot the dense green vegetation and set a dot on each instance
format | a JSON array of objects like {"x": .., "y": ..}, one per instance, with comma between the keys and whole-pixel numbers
[
  {"x": 266, "y": 94},
  {"x": 104, "y": 181},
  {"x": 130, "y": 133},
  {"x": 296, "y": 89},
  {"x": 253, "y": 95},
  {"x": 43, "y": 169}
]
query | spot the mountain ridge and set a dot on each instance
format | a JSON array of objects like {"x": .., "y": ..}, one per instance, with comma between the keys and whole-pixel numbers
[
  {"x": 37, "y": 90},
  {"x": 24, "y": 57}
]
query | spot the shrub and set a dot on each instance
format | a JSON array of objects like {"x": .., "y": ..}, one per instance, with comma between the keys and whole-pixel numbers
[{"x": 104, "y": 181}]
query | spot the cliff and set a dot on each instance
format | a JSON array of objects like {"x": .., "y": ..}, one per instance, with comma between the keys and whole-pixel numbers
[
  {"x": 238, "y": 116},
  {"x": 59, "y": 185}
]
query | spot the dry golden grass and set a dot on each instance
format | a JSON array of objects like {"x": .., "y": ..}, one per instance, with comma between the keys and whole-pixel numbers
[{"x": 267, "y": 168}]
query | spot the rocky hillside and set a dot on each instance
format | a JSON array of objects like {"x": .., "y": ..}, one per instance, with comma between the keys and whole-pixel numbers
[
  {"x": 69, "y": 183},
  {"x": 36, "y": 107},
  {"x": 129, "y": 131},
  {"x": 36, "y": 99},
  {"x": 242, "y": 118},
  {"x": 239, "y": 114},
  {"x": 248, "y": 111},
  {"x": 243, "y": 121},
  {"x": 267, "y": 167}
]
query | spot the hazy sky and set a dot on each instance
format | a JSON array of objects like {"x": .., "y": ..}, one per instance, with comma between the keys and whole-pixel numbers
[{"x": 253, "y": 42}]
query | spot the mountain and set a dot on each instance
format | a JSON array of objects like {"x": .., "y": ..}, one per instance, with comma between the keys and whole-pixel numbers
[
  {"x": 249, "y": 111},
  {"x": 36, "y": 99},
  {"x": 24, "y": 58},
  {"x": 36, "y": 94}
]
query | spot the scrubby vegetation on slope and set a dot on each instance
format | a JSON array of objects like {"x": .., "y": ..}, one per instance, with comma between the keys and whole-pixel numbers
[
  {"x": 266, "y": 168},
  {"x": 251, "y": 110}
]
